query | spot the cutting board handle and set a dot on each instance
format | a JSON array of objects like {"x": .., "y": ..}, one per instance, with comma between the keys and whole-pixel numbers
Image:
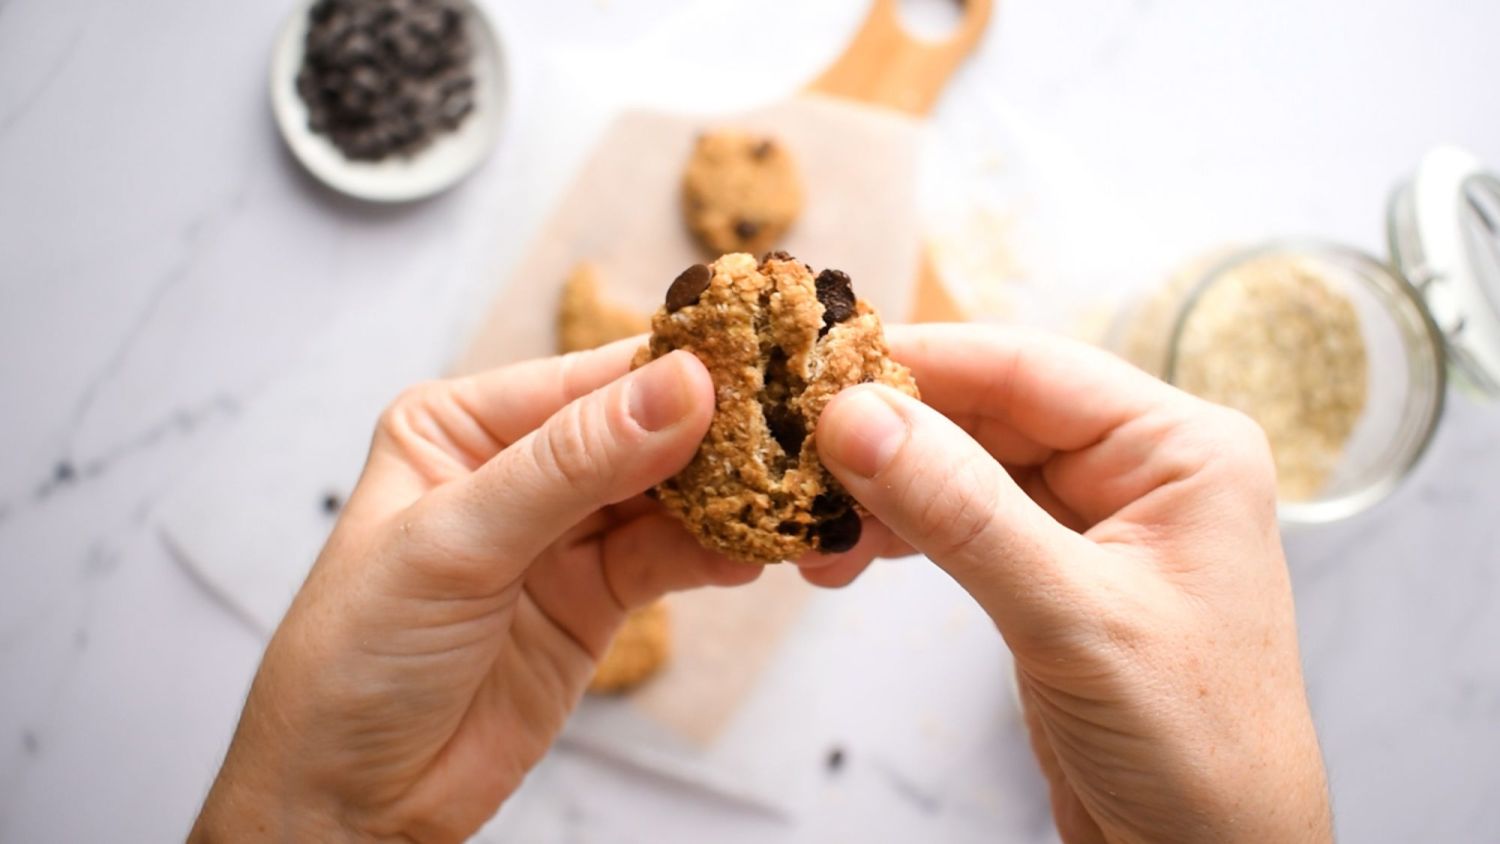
[{"x": 887, "y": 65}]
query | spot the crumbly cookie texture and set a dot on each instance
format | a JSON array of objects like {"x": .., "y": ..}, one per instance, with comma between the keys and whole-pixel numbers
[
  {"x": 780, "y": 342},
  {"x": 638, "y": 651},
  {"x": 740, "y": 192},
  {"x": 586, "y": 320}
]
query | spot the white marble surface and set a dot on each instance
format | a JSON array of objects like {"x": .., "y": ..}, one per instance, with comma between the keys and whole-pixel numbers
[{"x": 163, "y": 267}]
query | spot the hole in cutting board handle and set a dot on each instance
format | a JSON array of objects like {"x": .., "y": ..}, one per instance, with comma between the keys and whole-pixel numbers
[{"x": 932, "y": 20}]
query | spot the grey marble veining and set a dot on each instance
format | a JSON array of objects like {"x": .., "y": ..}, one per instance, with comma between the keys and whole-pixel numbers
[{"x": 163, "y": 266}]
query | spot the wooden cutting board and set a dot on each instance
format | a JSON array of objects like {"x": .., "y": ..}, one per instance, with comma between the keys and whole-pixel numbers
[{"x": 855, "y": 135}]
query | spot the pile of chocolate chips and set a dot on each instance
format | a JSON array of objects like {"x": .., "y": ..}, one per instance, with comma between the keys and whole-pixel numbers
[{"x": 385, "y": 77}]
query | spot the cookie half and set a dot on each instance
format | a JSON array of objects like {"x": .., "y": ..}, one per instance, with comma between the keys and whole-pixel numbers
[
  {"x": 740, "y": 191},
  {"x": 780, "y": 342}
]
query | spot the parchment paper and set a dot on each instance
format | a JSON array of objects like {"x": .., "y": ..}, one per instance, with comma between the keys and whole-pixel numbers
[
  {"x": 622, "y": 213},
  {"x": 858, "y": 169}
]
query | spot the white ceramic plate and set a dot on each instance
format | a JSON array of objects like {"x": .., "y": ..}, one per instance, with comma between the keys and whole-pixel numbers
[{"x": 437, "y": 167}]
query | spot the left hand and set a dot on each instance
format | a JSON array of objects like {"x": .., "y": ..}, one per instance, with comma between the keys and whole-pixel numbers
[{"x": 492, "y": 546}]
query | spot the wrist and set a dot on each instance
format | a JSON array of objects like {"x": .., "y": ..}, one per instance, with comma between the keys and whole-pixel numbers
[
  {"x": 244, "y": 807},
  {"x": 1292, "y": 804}
]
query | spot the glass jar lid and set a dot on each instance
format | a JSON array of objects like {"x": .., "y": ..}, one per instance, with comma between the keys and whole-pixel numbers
[{"x": 1444, "y": 232}]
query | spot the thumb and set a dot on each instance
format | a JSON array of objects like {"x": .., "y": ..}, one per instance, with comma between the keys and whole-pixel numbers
[
  {"x": 941, "y": 492},
  {"x": 601, "y": 449}
]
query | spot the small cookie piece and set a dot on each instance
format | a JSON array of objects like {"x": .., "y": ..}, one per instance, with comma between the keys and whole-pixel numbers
[
  {"x": 638, "y": 651},
  {"x": 586, "y": 321},
  {"x": 740, "y": 191},
  {"x": 780, "y": 343}
]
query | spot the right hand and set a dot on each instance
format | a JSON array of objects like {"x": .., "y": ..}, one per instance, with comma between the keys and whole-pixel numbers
[{"x": 1123, "y": 537}]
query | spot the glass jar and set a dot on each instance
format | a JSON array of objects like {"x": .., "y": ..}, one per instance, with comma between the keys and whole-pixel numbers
[{"x": 1343, "y": 358}]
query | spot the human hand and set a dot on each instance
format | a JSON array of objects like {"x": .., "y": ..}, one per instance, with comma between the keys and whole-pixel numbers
[
  {"x": 1123, "y": 537},
  {"x": 492, "y": 546}
]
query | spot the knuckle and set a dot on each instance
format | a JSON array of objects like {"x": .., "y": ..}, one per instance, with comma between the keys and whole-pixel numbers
[
  {"x": 573, "y": 445},
  {"x": 397, "y": 415},
  {"x": 1115, "y": 641},
  {"x": 570, "y": 372},
  {"x": 1222, "y": 447},
  {"x": 1242, "y": 444},
  {"x": 398, "y": 424}
]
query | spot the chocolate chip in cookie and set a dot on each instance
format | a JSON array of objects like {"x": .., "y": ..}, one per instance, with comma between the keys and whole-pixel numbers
[
  {"x": 839, "y": 533},
  {"x": 836, "y": 292},
  {"x": 780, "y": 342},
  {"x": 687, "y": 287}
]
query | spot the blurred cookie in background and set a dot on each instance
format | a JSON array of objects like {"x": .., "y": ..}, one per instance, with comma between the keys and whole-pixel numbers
[
  {"x": 640, "y": 649},
  {"x": 585, "y": 320},
  {"x": 740, "y": 191}
]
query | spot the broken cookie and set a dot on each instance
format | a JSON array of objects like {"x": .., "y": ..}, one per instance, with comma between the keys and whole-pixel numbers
[{"x": 780, "y": 342}]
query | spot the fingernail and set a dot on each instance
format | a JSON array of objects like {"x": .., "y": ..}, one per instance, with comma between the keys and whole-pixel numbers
[
  {"x": 864, "y": 434},
  {"x": 659, "y": 395}
]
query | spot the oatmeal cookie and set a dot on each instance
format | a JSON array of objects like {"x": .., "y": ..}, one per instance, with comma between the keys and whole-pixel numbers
[
  {"x": 585, "y": 320},
  {"x": 740, "y": 191},
  {"x": 780, "y": 342},
  {"x": 638, "y": 651}
]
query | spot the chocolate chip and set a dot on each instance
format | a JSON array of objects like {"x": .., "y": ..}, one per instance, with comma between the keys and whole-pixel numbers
[
  {"x": 746, "y": 229},
  {"x": 829, "y": 504},
  {"x": 789, "y": 528},
  {"x": 687, "y": 287},
  {"x": 839, "y": 533},
  {"x": 385, "y": 77},
  {"x": 836, "y": 293},
  {"x": 778, "y": 255},
  {"x": 787, "y": 428},
  {"x": 761, "y": 150}
]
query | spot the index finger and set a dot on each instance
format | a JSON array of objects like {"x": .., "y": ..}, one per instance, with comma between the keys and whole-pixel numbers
[
  {"x": 1056, "y": 393},
  {"x": 510, "y": 402}
]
